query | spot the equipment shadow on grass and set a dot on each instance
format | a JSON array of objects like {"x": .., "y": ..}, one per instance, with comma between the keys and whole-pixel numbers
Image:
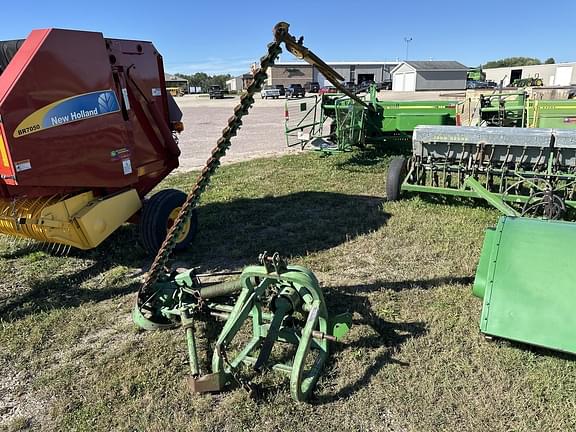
[
  {"x": 388, "y": 334},
  {"x": 374, "y": 154},
  {"x": 232, "y": 235},
  {"x": 64, "y": 290},
  {"x": 452, "y": 200}
]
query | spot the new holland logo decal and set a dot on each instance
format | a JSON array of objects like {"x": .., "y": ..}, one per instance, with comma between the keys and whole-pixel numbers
[{"x": 69, "y": 110}]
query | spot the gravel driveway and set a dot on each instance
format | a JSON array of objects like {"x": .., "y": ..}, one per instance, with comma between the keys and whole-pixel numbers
[{"x": 262, "y": 133}]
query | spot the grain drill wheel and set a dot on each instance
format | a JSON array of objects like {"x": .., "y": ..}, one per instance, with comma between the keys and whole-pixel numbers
[
  {"x": 396, "y": 173},
  {"x": 158, "y": 215}
]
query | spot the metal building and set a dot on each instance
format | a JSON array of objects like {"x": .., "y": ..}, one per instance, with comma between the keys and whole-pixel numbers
[
  {"x": 287, "y": 73},
  {"x": 429, "y": 75},
  {"x": 174, "y": 83},
  {"x": 559, "y": 74},
  {"x": 239, "y": 83}
]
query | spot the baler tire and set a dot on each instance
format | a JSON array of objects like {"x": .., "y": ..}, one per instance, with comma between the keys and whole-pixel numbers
[
  {"x": 397, "y": 171},
  {"x": 154, "y": 221}
]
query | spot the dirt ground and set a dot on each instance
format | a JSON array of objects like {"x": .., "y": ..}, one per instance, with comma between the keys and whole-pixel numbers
[{"x": 262, "y": 133}]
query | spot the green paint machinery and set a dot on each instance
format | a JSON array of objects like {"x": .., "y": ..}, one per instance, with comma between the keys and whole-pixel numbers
[
  {"x": 532, "y": 169},
  {"x": 354, "y": 124},
  {"x": 273, "y": 306},
  {"x": 526, "y": 279},
  {"x": 526, "y": 270},
  {"x": 519, "y": 110}
]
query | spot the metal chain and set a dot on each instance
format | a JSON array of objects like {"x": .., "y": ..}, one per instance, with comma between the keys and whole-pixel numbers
[
  {"x": 213, "y": 162},
  {"x": 246, "y": 384}
]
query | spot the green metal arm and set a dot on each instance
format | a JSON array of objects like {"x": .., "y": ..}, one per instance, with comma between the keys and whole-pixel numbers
[
  {"x": 492, "y": 199},
  {"x": 298, "y": 50}
]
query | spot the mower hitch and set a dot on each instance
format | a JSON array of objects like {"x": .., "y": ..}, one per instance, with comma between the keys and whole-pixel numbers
[{"x": 283, "y": 304}]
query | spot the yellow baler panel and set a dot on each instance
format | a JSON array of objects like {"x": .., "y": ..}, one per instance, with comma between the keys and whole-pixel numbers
[{"x": 102, "y": 217}]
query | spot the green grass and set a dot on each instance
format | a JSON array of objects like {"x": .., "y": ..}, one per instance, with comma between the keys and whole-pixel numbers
[{"x": 72, "y": 360}]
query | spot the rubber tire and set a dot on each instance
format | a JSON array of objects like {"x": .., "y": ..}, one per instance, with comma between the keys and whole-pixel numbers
[
  {"x": 397, "y": 171},
  {"x": 154, "y": 220}
]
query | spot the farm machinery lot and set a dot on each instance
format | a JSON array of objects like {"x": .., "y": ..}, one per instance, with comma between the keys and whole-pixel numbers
[
  {"x": 395, "y": 277},
  {"x": 414, "y": 359}
]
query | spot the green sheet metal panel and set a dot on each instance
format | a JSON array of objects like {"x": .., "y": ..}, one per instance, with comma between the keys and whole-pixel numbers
[
  {"x": 529, "y": 282},
  {"x": 557, "y": 114},
  {"x": 406, "y": 122},
  {"x": 557, "y": 122},
  {"x": 406, "y": 115}
]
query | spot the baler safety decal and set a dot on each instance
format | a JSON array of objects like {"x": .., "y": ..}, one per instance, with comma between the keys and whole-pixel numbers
[
  {"x": 3, "y": 153},
  {"x": 69, "y": 110}
]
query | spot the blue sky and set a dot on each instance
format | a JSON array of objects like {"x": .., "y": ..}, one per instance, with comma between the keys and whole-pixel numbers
[{"x": 223, "y": 37}]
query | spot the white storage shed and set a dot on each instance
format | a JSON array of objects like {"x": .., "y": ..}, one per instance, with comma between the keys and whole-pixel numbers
[{"x": 429, "y": 75}]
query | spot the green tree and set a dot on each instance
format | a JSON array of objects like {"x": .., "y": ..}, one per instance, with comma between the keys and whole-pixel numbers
[
  {"x": 550, "y": 60},
  {"x": 203, "y": 80},
  {"x": 512, "y": 61}
]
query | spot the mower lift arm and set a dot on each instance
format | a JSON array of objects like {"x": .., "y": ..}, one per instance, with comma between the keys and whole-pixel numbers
[{"x": 298, "y": 50}]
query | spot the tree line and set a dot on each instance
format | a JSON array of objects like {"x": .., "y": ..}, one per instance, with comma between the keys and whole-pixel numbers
[
  {"x": 203, "y": 80},
  {"x": 517, "y": 61}
]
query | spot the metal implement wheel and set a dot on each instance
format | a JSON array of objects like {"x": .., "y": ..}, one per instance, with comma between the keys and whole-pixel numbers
[
  {"x": 151, "y": 319},
  {"x": 158, "y": 216},
  {"x": 544, "y": 204},
  {"x": 397, "y": 171}
]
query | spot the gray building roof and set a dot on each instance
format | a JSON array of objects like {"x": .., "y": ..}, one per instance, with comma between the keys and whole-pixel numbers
[
  {"x": 436, "y": 65},
  {"x": 338, "y": 63}
]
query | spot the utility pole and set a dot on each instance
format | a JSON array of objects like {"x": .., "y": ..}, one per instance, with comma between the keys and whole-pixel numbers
[{"x": 407, "y": 40}]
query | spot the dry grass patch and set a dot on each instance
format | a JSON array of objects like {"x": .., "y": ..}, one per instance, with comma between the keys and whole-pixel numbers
[{"x": 414, "y": 360}]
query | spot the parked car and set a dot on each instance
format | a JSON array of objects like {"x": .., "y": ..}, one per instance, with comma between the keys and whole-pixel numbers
[
  {"x": 365, "y": 85},
  {"x": 281, "y": 89},
  {"x": 384, "y": 85},
  {"x": 295, "y": 90},
  {"x": 269, "y": 92},
  {"x": 312, "y": 87},
  {"x": 349, "y": 85},
  {"x": 475, "y": 84},
  {"x": 215, "y": 92},
  {"x": 327, "y": 89}
]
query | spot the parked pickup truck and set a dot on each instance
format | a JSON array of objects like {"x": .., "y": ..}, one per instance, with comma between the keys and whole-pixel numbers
[
  {"x": 295, "y": 90},
  {"x": 270, "y": 92},
  {"x": 215, "y": 92}
]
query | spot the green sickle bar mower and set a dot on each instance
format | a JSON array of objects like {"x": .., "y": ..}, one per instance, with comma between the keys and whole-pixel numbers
[{"x": 283, "y": 304}]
